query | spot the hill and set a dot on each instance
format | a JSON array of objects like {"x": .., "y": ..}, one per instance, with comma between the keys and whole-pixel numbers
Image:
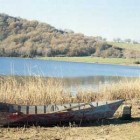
[
  {"x": 130, "y": 46},
  {"x": 22, "y": 38},
  {"x": 131, "y": 50}
]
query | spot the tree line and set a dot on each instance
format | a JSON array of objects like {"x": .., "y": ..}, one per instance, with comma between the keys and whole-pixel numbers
[
  {"x": 23, "y": 38},
  {"x": 127, "y": 40}
]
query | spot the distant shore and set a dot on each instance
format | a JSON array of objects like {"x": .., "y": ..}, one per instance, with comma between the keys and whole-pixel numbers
[
  {"x": 100, "y": 60},
  {"x": 89, "y": 59}
]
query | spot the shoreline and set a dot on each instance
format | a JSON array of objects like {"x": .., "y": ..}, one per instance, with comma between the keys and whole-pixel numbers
[
  {"x": 75, "y": 61},
  {"x": 69, "y": 59}
]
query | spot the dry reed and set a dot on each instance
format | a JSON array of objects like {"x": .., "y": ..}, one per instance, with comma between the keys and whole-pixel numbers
[
  {"x": 39, "y": 91},
  {"x": 32, "y": 90},
  {"x": 125, "y": 89}
]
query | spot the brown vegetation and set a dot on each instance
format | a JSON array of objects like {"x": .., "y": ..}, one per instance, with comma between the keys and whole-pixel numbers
[
  {"x": 126, "y": 89},
  {"x": 37, "y": 90},
  {"x": 20, "y": 37}
]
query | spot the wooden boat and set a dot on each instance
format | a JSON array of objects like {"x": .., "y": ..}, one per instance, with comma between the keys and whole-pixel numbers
[{"x": 55, "y": 114}]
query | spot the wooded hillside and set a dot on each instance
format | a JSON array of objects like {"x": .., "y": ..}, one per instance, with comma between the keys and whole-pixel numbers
[{"x": 23, "y": 38}]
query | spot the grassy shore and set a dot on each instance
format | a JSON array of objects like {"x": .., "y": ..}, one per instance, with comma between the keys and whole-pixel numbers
[{"x": 120, "y": 61}]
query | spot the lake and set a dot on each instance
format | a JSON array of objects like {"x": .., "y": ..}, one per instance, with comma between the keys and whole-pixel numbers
[{"x": 72, "y": 73}]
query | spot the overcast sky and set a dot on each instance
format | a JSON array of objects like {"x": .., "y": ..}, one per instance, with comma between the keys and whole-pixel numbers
[{"x": 107, "y": 18}]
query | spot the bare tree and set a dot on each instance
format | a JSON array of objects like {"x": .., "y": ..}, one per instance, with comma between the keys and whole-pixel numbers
[{"x": 127, "y": 40}]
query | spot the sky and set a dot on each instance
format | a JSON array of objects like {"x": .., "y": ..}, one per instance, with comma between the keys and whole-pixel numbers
[{"x": 107, "y": 18}]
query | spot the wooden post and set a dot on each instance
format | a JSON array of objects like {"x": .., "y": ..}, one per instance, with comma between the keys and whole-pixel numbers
[{"x": 126, "y": 114}]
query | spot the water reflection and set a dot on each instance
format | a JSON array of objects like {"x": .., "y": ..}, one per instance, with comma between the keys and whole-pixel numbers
[{"x": 91, "y": 82}]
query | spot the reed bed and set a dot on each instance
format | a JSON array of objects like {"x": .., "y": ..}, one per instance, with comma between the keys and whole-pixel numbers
[
  {"x": 32, "y": 90},
  {"x": 40, "y": 91},
  {"x": 125, "y": 89}
]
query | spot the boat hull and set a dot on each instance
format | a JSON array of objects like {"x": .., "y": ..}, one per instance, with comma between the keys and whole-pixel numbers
[{"x": 76, "y": 114}]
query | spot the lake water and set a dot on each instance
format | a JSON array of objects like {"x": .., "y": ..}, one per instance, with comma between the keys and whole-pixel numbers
[{"x": 73, "y": 73}]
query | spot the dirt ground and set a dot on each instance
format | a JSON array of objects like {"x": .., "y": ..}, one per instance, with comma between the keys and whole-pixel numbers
[{"x": 109, "y": 129}]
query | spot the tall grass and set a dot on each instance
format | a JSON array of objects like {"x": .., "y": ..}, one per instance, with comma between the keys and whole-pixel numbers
[
  {"x": 40, "y": 91},
  {"x": 32, "y": 90},
  {"x": 126, "y": 89}
]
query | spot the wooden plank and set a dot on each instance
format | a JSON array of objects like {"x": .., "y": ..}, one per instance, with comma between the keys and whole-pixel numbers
[
  {"x": 24, "y": 109},
  {"x": 41, "y": 110},
  {"x": 50, "y": 108},
  {"x": 19, "y": 108},
  {"x": 27, "y": 109},
  {"x": 3, "y": 107},
  {"x": 71, "y": 108},
  {"x": 32, "y": 110},
  {"x": 44, "y": 109},
  {"x": 36, "y": 111},
  {"x": 11, "y": 109},
  {"x": 15, "y": 108}
]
